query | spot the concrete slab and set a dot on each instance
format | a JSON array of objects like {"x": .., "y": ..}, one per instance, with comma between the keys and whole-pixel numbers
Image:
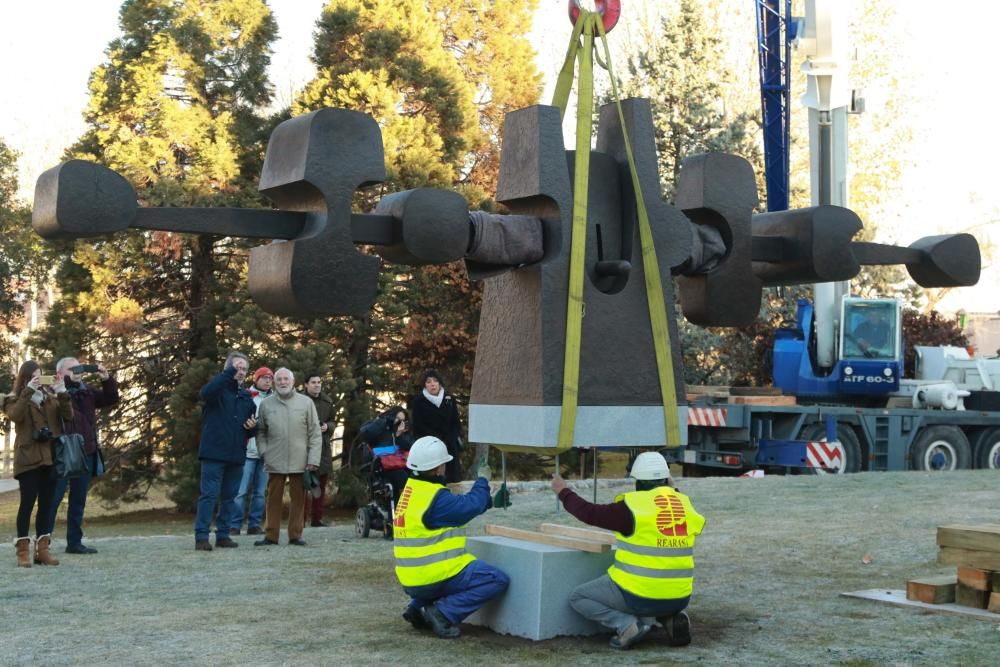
[
  {"x": 898, "y": 599},
  {"x": 536, "y": 606}
]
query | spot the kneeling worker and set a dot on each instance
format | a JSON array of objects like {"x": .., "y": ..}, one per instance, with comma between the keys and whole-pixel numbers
[
  {"x": 653, "y": 572},
  {"x": 444, "y": 581}
]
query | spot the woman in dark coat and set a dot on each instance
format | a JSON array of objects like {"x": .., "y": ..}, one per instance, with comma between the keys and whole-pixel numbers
[
  {"x": 38, "y": 411},
  {"x": 434, "y": 412}
]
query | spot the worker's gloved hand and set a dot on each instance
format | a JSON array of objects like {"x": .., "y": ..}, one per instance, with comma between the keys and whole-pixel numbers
[
  {"x": 484, "y": 470},
  {"x": 502, "y": 497}
]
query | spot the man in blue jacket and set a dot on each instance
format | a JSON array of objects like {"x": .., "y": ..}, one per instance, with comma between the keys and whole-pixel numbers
[
  {"x": 444, "y": 581},
  {"x": 227, "y": 420}
]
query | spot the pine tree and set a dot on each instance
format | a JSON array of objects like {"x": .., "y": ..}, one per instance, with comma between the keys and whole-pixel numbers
[
  {"x": 437, "y": 75},
  {"x": 175, "y": 110}
]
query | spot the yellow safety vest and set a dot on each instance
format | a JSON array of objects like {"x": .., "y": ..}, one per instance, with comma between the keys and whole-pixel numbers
[
  {"x": 657, "y": 560},
  {"x": 423, "y": 555}
]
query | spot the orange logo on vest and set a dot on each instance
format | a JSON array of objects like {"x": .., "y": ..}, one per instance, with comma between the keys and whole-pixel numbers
[
  {"x": 671, "y": 519},
  {"x": 399, "y": 521}
]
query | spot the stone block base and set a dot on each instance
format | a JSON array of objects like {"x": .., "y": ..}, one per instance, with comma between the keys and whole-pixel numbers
[{"x": 536, "y": 606}]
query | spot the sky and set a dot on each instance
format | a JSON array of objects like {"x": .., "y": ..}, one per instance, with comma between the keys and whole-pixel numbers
[{"x": 49, "y": 47}]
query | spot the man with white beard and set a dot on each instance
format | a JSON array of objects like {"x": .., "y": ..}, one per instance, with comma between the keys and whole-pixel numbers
[{"x": 289, "y": 441}]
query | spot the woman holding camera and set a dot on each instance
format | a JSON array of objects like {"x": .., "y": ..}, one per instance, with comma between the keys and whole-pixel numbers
[
  {"x": 390, "y": 442},
  {"x": 37, "y": 409}
]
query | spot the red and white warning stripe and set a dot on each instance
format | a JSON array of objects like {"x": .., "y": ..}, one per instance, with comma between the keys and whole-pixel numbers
[
  {"x": 825, "y": 456},
  {"x": 706, "y": 416}
]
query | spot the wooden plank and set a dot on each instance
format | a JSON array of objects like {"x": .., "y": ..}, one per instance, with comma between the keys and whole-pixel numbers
[
  {"x": 970, "y": 597},
  {"x": 973, "y": 577},
  {"x": 994, "y": 604},
  {"x": 589, "y": 534},
  {"x": 542, "y": 538},
  {"x": 932, "y": 590},
  {"x": 985, "y": 537},
  {"x": 995, "y": 582},
  {"x": 898, "y": 599},
  {"x": 984, "y": 560},
  {"x": 762, "y": 400}
]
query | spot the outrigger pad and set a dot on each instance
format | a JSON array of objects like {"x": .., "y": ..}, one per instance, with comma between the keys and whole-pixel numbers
[
  {"x": 949, "y": 260},
  {"x": 79, "y": 198}
]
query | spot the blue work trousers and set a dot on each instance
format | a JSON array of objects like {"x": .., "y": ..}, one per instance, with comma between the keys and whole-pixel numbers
[
  {"x": 77, "y": 503},
  {"x": 253, "y": 484},
  {"x": 219, "y": 483},
  {"x": 463, "y": 594}
]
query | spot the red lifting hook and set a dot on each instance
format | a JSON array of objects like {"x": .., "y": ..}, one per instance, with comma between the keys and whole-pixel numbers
[{"x": 609, "y": 11}]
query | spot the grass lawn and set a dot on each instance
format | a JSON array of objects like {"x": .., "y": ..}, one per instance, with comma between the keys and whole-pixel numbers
[{"x": 775, "y": 554}]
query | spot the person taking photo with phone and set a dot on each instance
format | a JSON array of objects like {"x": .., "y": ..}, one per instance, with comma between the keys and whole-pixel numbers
[
  {"x": 86, "y": 400},
  {"x": 37, "y": 408}
]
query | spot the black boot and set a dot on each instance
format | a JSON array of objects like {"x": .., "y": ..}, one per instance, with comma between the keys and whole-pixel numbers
[{"x": 439, "y": 624}]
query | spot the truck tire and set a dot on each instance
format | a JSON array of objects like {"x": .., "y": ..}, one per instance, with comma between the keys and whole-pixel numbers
[
  {"x": 940, "y": 448},
  {"x": 848, "y": 451},
  {"x": 986, "y": 450}
]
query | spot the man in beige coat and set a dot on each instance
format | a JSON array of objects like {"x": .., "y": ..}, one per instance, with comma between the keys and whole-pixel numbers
[{"x": 289, "y": 441}]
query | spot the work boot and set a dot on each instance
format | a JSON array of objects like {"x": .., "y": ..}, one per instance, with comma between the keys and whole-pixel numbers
[
  {"x": 415, "y": 618},
  {"x": 234, "y": 531},
  {"x": 23, "y": 547},
  {"x": 225, "y": 544},
  {"x": 439, "y": 624},
  {"x": 319, "y": 523},
  {"x": 265, "y": 543},
  {"x": 42, "y": 556},
  {"x": 678, "y": 629},
  {"x": 298, "y": 542},
  {"x": 80, "y": 549},
  {"x": 628, "y": 637},
  {"x": 256, "y": 530},
  {"x": 202, "y": 545}
]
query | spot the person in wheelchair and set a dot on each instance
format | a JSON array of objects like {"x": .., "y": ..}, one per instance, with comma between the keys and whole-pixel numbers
[{"x": 390, "y": 443}]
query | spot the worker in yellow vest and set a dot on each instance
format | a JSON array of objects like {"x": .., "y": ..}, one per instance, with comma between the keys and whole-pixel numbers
[
  {"x": 651, "y": 579},
  {"x": 444, "y": 581}
]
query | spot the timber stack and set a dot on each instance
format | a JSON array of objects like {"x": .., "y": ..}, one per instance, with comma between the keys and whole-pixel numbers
[{"x": 976, "y": 552}]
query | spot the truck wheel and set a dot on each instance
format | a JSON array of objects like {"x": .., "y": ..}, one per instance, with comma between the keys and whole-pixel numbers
[
  {"x": 986, "y": 451},
  {"x": 940, "y": 448},
  {"x": 838, "y": 458}
]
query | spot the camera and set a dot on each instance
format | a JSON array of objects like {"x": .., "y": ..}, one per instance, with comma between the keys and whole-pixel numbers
[
  {"x": 43, "y": 434},
  {"x": 84, "y": 368}
]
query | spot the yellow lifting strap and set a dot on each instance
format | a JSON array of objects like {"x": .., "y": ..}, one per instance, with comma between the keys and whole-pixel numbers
[{"x": 587, "y": 27}]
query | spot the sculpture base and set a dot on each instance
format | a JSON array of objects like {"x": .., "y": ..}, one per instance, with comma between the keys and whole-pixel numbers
[
  {"x": 536, "y": 606},
  {"x": 596, "y": 425}
]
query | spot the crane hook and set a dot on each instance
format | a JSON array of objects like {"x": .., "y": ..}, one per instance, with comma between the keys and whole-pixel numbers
[{"x": 609, "y": 11}]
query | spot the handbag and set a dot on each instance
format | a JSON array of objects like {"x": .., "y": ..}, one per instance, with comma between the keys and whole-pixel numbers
[
  {"x": 69, "y": 458},
  {"x": 99, "y": 466}
]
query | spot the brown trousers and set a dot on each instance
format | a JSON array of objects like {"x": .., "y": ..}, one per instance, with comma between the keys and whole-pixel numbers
[{"x": 275, "y": 504}]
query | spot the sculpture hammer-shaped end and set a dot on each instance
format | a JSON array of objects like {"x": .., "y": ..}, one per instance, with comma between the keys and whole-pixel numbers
[
  {"x": 79, "y": 198},
  {"x": 949, "y": 260}
]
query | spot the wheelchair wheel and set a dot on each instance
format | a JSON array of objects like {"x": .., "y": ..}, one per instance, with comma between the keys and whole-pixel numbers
[{"x": 362, "y": 524}]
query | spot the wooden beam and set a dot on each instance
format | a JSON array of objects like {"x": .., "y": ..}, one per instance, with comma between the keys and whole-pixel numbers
[
  {"x": 973, "y": 577},
  {"x": 932, "y": 590},
  {"x": 994, "y": 604},
  {"x": 970, "y": 597},
  {"x": 995, "y": 582},
  {"x": 985, "y": 537},
  {"x": 542, "y": 538},
  {"x": 984, "y": 560},
  {"x": 589, "y": 534}
]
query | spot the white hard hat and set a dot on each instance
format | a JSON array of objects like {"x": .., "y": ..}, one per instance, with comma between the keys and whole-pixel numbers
[
  {"x": 427, "y": 453},
  {"x": 650, "y": 465}
]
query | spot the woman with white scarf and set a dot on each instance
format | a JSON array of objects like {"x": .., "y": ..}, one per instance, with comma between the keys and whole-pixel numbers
[{"x": 434, "y": 412}]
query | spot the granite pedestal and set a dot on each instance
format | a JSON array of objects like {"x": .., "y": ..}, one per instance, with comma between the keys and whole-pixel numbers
[{"x": 536, "y": 605}]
